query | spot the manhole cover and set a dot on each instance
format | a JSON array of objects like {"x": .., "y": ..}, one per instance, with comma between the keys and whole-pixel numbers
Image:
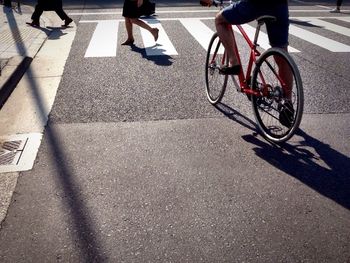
[{"x": 18, "y": 152}]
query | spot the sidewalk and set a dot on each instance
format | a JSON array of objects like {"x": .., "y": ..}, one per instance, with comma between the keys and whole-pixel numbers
[
  {"x": 32, "y": 62},
  {"x": 18, "y": 41}
]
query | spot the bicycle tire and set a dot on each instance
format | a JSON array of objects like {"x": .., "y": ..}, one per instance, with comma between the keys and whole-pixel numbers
[
  {"x": 277, "y": 122},
  {"x": 214, "y": 81}
]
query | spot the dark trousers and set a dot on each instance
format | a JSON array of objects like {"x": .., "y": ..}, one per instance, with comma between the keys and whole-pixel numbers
[
  {"x": 339, "y": 2},
  {"x": 39, "y": 10}
]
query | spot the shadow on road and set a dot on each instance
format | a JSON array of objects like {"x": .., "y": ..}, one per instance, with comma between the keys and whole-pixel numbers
[
  {"x": 312, "y": 162},
  {"x": 83, "y": 226},
  {"x": 236, "y": 116},
  {"x": 161, "y": 60}
]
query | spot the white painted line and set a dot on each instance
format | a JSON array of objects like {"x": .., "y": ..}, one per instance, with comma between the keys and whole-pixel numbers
[
  {"x": 326, "y": 25},
  {"x": 198, "y": 30},
  {"x": 318, "y": 40},
  {"x": 263, "y": 39},
  {"x": 104, "y": 40},
  {"x": 345, "y": 19},
  {"x": 163, "y": 45}
]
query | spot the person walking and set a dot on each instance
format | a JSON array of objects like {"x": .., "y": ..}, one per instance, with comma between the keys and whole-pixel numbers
[
  {"x": 131, "y": 12},
  {"x": 49, "y": 5},
  {"x": 337, "y": 8}
]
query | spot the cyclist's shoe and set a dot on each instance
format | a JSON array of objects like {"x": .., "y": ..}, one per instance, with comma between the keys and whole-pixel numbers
[
  {"x": 286, "y": 111},
  {"x": 232, "y": 70}
]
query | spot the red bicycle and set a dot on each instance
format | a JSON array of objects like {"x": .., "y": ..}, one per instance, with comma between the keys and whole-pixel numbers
[{"x": 277, "y": 100}]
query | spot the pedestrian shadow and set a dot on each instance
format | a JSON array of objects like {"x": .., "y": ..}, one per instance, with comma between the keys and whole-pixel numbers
[
  {"x": 161, "y": 60},
  {"x": 312, "y": 162}
]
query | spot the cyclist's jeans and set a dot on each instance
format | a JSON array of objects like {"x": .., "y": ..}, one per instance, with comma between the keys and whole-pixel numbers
[{"x": 245, "y": 11}]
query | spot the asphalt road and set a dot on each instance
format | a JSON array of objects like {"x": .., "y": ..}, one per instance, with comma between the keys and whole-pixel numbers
[{"x": 136, "y": 165}]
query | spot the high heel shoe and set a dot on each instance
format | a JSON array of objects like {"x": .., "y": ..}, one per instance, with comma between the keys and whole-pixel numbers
[
  {"x": 128, "y": 42},
  {"x": 155, "y": 34}
]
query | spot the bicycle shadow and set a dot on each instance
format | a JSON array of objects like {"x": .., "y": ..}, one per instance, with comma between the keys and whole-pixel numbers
[
  {"x": 312, "y": 162},
  {"x": 236, "y": 116},
  {"x": 161, "y": 60}
]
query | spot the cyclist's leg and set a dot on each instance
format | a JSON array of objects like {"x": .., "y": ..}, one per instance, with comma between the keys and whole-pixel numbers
[
  {"x": 225, "y": 33},
  {"x": 239, "y": 12},
  {"x": 278, "y": 36}
]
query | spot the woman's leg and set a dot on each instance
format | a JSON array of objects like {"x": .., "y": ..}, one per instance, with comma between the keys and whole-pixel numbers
[
  {"x": 153, "y": 30},
  {"x": 128, "y": 26}
]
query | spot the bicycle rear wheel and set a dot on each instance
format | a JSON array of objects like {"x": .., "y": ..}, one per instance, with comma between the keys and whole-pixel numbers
[
  {"x": 214, "y": 81},
  {"x": 278, "y": 111}
]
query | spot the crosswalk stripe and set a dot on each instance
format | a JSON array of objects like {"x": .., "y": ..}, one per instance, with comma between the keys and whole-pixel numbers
[
  {"x": 263, "y": 39},
  {"x": 326, "y": 25},
  {"x": 318, "y": 40},
  {"x": 345, "y": 19},
  {"x": 163, "y": 45},
  {"x": 201, "y": 32},
  {"x": 104, "y": 40}
]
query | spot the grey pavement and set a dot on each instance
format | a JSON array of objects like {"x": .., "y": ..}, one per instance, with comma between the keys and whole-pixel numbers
[{"x": 205, "y": 189}]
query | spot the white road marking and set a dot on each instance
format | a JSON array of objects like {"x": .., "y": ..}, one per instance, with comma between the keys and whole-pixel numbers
[
  {"x": 198, "y": 30},
  {"x": 104, "y": 40},
  {"x": 345, "y": 19},
  {"x": 163, "y": 45},
  {"x": 326, "y": 25},
  {"x": 318, "y": 40},
  {"x": 105, "y": 44},
  {"x": 263, "y": 39}
]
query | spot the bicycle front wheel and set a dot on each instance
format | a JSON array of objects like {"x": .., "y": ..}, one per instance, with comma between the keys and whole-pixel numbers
[
  {"x": 215, "y": 82},
  {"x": 279, "y": 108}
]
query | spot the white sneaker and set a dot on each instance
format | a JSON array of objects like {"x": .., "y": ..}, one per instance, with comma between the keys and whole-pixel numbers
[{"x": 335, "y": 10}]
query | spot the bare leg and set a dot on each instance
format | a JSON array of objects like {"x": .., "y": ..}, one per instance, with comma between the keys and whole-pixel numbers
[
  {"x": 153, "y": 31},
  {"x": 128, "y": 26},
  {"x": 286, "y": 75},
  {"x": 225, "y": 33}
]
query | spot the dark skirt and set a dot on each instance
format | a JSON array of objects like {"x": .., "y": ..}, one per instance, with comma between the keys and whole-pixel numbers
[{"x": 130, "y": 9}]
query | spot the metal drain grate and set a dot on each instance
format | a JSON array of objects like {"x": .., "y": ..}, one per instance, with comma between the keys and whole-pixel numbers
[
  {"x": 10, "y": 151},
  {"x": 18, "y": 152}
]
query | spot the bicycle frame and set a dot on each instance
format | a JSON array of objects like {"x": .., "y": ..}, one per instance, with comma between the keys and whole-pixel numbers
[
  {"x": 244, "y": 77},
  {"x": 254, "y": 53}
]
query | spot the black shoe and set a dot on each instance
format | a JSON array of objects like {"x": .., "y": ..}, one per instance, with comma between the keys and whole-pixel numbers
[
  {"x": 233, "y": 70},
  {"x": 128, "y": 42},
  {"x": 67, "y": 21},
  {"x": 286, "y": 116},
  {"x": 34, "y": 23}
]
